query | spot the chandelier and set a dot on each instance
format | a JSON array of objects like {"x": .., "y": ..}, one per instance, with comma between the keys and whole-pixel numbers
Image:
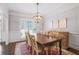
[{"x": 37, "y": 17}]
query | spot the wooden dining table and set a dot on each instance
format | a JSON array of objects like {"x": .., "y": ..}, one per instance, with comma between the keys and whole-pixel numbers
[{"x": 49, "y": 42}]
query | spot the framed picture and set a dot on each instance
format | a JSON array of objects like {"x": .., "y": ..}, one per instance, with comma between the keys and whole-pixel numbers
[{"x": 62, "y": 23}]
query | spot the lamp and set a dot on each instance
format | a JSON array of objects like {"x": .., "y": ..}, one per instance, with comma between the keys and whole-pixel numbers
[{"x": 37, "y": 17}]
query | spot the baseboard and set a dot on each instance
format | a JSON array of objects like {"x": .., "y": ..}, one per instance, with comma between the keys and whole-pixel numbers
[{"x": 73, "y": 50}]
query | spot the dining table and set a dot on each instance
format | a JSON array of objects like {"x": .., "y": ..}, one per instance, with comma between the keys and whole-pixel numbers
[{"x": 49, "y": 42}]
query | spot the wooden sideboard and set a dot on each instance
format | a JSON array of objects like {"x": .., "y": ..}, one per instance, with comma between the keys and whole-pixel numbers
[
  {"x": 64, "y": 36},
  {"x": 65, "y": 39}
]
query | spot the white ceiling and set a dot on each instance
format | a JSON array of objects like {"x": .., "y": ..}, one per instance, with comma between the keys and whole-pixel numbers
[
  {"x": 44, "y": 8},
  {"x": 29, "y": 7}
]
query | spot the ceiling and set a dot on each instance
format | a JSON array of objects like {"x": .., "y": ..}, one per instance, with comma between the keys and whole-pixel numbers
[{"x": 44, "y": 8}]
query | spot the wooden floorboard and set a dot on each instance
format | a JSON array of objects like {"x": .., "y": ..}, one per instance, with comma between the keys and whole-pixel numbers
[
  {"x": 73, "y": 50},
  {"x": 5, "y": 49}
]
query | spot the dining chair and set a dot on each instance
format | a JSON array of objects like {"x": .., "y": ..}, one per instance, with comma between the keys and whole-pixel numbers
[
  {"x": 35, "y": 47},
  {"x": 53, "y": 35},
  {"x": 54, "y": 49},
  {"x": 28, "y": 38}
]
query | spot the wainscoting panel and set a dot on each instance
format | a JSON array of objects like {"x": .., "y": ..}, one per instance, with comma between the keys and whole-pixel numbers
[{"x": 74, "y": 40}]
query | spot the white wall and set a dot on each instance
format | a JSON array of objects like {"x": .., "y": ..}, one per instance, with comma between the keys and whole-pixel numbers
[
  {"x": 4, "y": 12},
  {"x": 14, "y": 28},
  {"x": 74, "y": 40},
  {"x": 72, "y": 16},
  {"x": 15, "y": 19},
  {"x": 74, "y": 37}
]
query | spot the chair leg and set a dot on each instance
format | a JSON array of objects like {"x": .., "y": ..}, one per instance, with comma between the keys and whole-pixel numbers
[
  {"x": 37, "y": 53},
  {"x": 51, "y": 51},
  {"x": 46, "y": 50},
  {"x": 32, "y": 51}
]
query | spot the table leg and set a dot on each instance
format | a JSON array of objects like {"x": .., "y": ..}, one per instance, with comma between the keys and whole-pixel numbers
[
  {"x": 60, "y": 47},
  {"x": 43, "y": 50}
]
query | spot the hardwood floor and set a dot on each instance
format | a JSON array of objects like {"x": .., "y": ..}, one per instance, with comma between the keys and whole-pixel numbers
[
  {"x": 73, "y": 50},
  {"x": 4, "y": 50},
  {"x": 10, "y": 49}
]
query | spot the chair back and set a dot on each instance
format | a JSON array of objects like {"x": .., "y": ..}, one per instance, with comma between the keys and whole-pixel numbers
[
  {"x": 28, "y": 38},
  {"x": 53, "y": 34},
  {"x": 34, "y": 43}
]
